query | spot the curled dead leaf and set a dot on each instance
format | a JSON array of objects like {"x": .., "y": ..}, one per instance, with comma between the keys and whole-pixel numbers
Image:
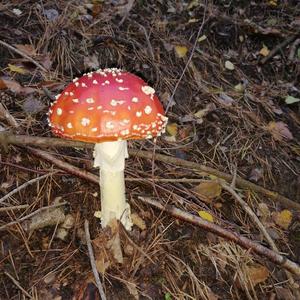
[
  {"x": 14, "y": 86},
  {"x": 208, "y": 190},
  {"x": 252, "y": 275},
  {"x": 138, "y": 221},
  {"x": 27, "y": 49},
  {"x": 279, "y": 131}
]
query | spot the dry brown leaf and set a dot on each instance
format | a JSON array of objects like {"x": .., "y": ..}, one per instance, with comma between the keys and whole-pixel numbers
[
  {"x": 284, "y": 294},
  {"x": 253, "y": 275},
  {"x": 208, "y": 190},
  {"x": 27, "y": 49},
  {"x": 256, "y": 274},
  {"x": 256, "y": 174},
  {"x": 132, "y": 288},
  {"x": 102, "y": 256},
  {"x": 138, "y": 221},
  {"x": 279, "y": 131},
  {"x": 91, "y": 62},
  {"x": 283, "y": 218},
  {"x": 114, "y": 244},
  {"x": 264, "y": 51},
  {"x": 14, "y": 86},
  {"x": 107, "y": 247},
  {"x": 263, "y": 211}
]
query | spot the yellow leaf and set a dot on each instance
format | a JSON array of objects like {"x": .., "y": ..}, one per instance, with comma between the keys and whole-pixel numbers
[
  {"x": 181, "y": 51},
  {"x": 264, "y": 51},
  {"x": 16, "y": 69},
  {"x": 97, "y": 214},
  {"x": 239, "y": 88},
  {"x": 206, "y": 216},
  {"x": 138, "y": 221},
  {"x": 283, "y": 218},
  {"x": 273, "y": 2},
  {"x": 208, "y": 190},
  {"x": 172, "y": 129},
  {"x": 202, "y": 38},
  {"x": 229, "y": 65},
  {"x": 193, "y": 4}
]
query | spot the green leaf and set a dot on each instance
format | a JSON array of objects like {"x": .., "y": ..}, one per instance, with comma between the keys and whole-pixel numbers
[
  {"x": 168, "y": 296},
  {"x": 291, "y": 100}
]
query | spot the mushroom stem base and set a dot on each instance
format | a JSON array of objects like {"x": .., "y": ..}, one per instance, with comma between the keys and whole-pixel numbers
[{"x": 113, "y": 201}]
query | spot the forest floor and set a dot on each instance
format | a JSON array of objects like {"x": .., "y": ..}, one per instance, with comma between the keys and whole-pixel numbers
[{"x": 229, "y": 74}]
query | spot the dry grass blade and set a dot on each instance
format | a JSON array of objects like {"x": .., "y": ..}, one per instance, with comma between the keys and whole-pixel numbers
[{"x": 4, "y": 113}]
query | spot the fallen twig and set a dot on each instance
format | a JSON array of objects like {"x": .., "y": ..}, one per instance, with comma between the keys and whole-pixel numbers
[
  {"x": 256, "y": 220},
  {"x": 31, "y": 215},
  {"x": 293, "y": 49},
  {"x": 225, "y": 233},
  {"x": 279, "y": 47},
  {"x": 24, "y": 140},
  {"x": 92, "y": 260},
  {"x": 250, "y": 212},
  {"x": 2, "y": 209},
  {"x": 64, "y": 165},
  {"x": 4, "y": 114},
  {"x": 23, "y": 55}
]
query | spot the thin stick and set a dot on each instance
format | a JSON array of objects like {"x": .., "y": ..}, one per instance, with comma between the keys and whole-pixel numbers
[
  {"x": 4, "y": 113},
  {"x": 2, "y": 209},
  {"x": 23, "y": 186},
  {"x": 23, "y": 54},
  {"x": 31, "y": 215},
  {"x": 189, "y": 59},
  {"x": 17, "y": 284},
  {"x": 279, "y": 47},
  {"x": 250, "y": 212},
  {"x": 227, "y": 234},
  {"x": 64, "y": 165},
  {"x": 293, "y": 49},
  {"x": 92, "y": 260},
  {"x": 24, "y": 140},
  {"x": 256, "y": 220}
]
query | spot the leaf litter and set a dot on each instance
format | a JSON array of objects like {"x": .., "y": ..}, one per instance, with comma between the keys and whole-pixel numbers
[{"x": 221, "y": 110}]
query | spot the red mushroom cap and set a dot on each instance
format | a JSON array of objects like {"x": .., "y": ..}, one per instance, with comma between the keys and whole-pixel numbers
[{"x": 107, "y": 105}]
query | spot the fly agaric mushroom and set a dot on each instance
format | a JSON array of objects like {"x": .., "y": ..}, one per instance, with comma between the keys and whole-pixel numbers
[{"x": 108, "y": 107}]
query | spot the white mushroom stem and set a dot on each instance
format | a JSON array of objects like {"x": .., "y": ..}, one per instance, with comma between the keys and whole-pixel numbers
[{"x": 110, "y": 157}]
